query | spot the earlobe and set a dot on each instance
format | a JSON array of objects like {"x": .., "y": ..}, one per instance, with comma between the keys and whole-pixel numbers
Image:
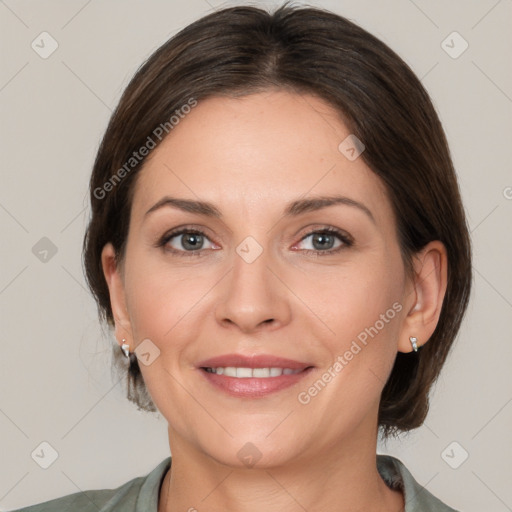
[
  {"x": 429, "y": 288},
  {"x": 114, "y": 279}
]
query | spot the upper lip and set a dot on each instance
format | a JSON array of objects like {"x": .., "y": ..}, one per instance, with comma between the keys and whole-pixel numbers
[{"x": 254, "y": 361}]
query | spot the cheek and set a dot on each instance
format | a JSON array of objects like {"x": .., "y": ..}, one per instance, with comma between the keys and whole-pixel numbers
[
  {"x": 162, "y": 307},
  {"x": 362, "y": 308},
  {"x": 363, "y": 311},
  {"x": 353, "y": 299},
  {"x": 161, "y": 300}
]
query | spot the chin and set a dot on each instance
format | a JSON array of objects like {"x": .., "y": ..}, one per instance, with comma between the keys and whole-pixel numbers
[{"x": 254, "y": 452}]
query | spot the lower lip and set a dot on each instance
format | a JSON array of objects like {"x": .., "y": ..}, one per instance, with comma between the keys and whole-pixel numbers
[{"x": 254, "y": 387}]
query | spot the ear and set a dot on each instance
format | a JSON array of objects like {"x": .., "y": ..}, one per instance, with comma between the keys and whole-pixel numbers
[
  {"x": 426, "y": 296},
  {"x": 115, "y": 282}
]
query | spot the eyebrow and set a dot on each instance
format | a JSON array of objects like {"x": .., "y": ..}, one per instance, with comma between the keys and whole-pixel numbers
[{"x": 292, "y": 209}]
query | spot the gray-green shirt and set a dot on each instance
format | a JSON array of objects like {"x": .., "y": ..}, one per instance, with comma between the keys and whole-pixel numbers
[{"x": 141, "y": 494}]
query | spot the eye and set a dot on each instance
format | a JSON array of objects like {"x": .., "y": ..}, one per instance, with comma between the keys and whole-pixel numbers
[
  {"x": 325, "y": 241},
  {"x": 191, "y": 242},
  {"x": 185, "y": 241}
]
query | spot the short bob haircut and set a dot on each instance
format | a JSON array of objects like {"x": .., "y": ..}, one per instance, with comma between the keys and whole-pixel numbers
[{"x": 243, "y": 50}]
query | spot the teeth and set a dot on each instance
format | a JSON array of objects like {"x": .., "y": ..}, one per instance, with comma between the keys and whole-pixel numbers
[
  {"x": 245, "y": 373},
  {"x": 229, "y": 371},
  {"x": 261, "y": 372}
]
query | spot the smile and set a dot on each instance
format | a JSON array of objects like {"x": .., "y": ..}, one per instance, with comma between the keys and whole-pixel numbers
[
  {"x": 247, "y": 373},
  {"x": 243, "y": 382}
]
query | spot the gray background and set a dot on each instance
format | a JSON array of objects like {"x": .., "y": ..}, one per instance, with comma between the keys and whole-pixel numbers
[{"x": 55, "y": 380}]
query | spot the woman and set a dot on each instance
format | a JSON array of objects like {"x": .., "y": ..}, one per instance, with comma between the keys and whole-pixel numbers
[{"x": 278, "y": 241}]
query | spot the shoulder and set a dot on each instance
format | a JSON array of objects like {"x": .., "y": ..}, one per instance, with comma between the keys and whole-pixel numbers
[
  {"x": 87, "y": 501},
  {"x": 140, "y": 493},
  {"x": 417, "y": 498}
]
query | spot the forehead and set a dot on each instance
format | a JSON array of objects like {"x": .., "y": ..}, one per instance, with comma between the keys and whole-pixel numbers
[{"x": 257, "y": 152}]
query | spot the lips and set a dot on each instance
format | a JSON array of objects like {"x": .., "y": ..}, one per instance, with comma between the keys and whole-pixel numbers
[{"x": 252, "y": 376}]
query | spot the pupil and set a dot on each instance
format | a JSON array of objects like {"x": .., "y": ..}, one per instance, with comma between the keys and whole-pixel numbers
[
  {"x": 321, "y": 239},
  {"x": 192, "y": 241}
]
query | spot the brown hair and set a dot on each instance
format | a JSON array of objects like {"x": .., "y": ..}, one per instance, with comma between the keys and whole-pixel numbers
[{"x": 243, "y": 50}]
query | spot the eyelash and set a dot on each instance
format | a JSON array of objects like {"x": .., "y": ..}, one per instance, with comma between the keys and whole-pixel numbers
[{"x": 341, "y": 235}]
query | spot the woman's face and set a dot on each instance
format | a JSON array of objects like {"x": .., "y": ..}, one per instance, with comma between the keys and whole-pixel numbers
[{"x": 257, "y": 274}]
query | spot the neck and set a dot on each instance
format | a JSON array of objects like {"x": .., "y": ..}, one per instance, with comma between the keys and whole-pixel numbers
[{"x": 336, "y": 478}]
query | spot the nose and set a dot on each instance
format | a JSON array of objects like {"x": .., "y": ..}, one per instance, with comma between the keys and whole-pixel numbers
[{"x": 253, "y": 297}]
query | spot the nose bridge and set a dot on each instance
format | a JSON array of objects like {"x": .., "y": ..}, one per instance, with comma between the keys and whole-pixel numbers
[{"x": 252, "y": 296}]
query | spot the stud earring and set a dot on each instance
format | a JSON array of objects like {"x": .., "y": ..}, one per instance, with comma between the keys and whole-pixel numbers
[
  {"x": 414, "y": 343},
  {"x": 125, "y": 348}
]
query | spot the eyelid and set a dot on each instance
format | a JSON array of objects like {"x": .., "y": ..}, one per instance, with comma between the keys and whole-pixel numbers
[
  {"x": 181, "y": 230},
  {"x": 325, "y": 228},
  {"x": 345, "y": 238}
]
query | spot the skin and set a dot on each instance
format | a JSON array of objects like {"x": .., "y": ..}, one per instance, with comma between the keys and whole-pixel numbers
[{"x": 250, "y": 157}]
